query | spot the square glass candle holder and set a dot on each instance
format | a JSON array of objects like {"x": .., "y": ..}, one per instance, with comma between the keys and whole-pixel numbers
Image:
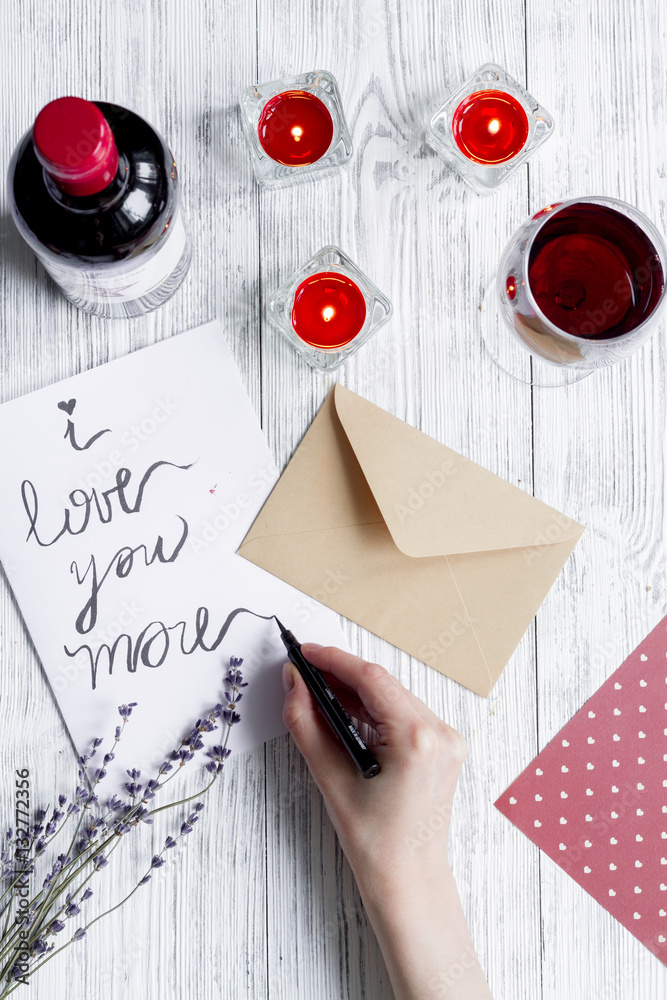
[
  {"x": 488, "y": 128},
  {"x": 329, "y": 300},
  {"x": 295, "y": 128}
]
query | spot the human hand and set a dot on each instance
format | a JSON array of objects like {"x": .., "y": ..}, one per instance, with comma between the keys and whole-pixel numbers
[{"x": 394, "y": 827}]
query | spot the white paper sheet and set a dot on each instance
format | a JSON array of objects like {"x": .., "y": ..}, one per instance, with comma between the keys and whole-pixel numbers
[{"x": 161, "y": 444}]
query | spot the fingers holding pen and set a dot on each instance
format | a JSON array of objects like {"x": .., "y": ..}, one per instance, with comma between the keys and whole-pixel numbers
[{"x": 383, "y": 702}]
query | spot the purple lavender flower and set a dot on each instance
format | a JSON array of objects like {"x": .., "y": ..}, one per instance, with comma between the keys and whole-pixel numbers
[
  {"x": 185, "y": 829},
  {"x": 169, "y": 843},
  {"x": 72, "y": 910},
  {"x": 87, "y": 894},
  {"x": 157, "y": 861},
  {"x": 125, "y": 711},
  {"x": 55, "y": 927},
  {"x": 79, "y": 933},
  {"x": 144, "y": 880},
  {"x": 99, "y": 862}
]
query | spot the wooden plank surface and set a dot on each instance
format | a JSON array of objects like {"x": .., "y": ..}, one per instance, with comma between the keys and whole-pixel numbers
[{"x": 262, "y": 903}]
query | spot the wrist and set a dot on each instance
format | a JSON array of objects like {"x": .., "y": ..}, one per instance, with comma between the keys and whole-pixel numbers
[{"x": 423, "y": 936}]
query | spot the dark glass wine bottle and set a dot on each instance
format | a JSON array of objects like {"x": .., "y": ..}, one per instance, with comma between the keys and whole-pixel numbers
[{"x": 93, "y": 190}]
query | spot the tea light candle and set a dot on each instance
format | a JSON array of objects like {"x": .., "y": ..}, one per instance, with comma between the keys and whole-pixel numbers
[
  {"x": 329, "y": 310},
  {"x": 490, "y": 126},
  {"x": 295, "y": 128}
]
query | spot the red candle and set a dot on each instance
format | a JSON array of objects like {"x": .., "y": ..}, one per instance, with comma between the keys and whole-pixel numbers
[
  {"x": 490, "y": 126},
  {"x": 328, "y": 311},
  {"x": 295, "y": 128}
]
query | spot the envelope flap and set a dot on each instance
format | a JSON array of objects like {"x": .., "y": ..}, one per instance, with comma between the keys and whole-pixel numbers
[{"x": 434, "y": 501}]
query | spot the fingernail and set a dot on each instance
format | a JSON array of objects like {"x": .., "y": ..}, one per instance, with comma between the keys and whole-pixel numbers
[
  {"x": 288, "y": 677},
  {"x": 311, "y": 646}
]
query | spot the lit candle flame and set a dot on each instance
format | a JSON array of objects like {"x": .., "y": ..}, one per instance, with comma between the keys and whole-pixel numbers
[
  {"x": 297, "y": 132},
  {"x": 328, "y": 313},
  {"x": 494, "y": 126}
]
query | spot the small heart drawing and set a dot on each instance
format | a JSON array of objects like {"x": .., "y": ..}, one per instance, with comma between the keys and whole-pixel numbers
[
  {"x": 640, "y": 760},
  {"x": 637, "y": 889},
  {"x": 613, "y": 840},
  {"x": 641, "y": 708},
  {"x": 615, "y": 763},
  {"x": 617, "y": 711},
  {"x": 611, "y": 892},
  {"x": 617, "y": 686},
  {"x": 638, "y": 864},
  {"x": 587, "y": 843},
  {"x": 591, "y": 715},
  {"x": 614, "y": 815},
  {"x": 589, "y": 791},
  {"x": 662, "y": 938},
  {"x": 589, "y": 818},
  {"x": 614, "y": 788},
  {"x": 663, "y": 835},
  {"x": 562, "y": 847},
  {"x": 512, "y": 801},
  {"x": 641, "y": 734},
  {"x": 612, "y": 867},
  {"x": 591, "y": 740},
  {"x": 67, "y": 405},
  {"x": 616, "y": 737},
  {"x": 590, "y": 767},
  {"x": 663, "y": 913},
  {"x": 640, "y": 786},
  {"x": 538, "y": 798},
  {"x": 565, "y": 743},
  {"x": 639, "y": 838},
  {"x": 642, "y": 684},
  {"x": 563, "y": 821},
  {"x": 538, "y": 770},
  {"x": 564, "y": 769},
  {"x": 563, "y": 795},
  {"x": 640, "y": 812},
  {"x": 587, "y": 870},
  {"x": 638, "y": 916},
  {"x": 663, "y": 861},
  {"x": 643, "y": 657},
  {"x": 537, "y": 823},
  {"x": 663, "y": 887}
]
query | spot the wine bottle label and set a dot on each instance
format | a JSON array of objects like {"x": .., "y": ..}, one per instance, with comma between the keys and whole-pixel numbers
[{"x": 125, "y": 280}]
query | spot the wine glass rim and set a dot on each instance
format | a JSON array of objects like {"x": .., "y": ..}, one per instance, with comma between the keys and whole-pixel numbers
[{"x": 647, "y": 226}]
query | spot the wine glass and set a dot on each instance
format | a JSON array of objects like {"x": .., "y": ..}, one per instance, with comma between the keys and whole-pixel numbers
[{"x": 580, "y": 285}]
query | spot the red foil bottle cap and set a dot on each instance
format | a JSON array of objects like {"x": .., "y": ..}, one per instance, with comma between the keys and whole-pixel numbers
[{"x": 75, "y": 145}]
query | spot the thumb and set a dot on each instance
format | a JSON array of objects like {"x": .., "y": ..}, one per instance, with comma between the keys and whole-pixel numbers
[{"x": 323, "y": 752}]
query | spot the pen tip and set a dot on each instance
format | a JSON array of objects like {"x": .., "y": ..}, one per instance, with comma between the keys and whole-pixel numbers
[{"x": 280, "y": 624}]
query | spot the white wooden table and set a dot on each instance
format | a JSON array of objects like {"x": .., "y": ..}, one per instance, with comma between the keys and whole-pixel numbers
[{"x": 262, "y": 903}]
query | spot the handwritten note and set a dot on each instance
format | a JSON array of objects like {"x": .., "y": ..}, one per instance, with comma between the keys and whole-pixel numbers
[{"x": 125, "y": 493}]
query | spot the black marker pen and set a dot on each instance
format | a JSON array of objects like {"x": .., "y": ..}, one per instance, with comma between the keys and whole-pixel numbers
[{"x": 340, "y": 721}]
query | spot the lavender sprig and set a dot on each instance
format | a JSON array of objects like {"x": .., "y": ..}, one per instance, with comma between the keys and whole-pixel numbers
[{"x": 100, "y": 827}]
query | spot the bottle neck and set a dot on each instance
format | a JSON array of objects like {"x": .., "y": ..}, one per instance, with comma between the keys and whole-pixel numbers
[{"x": 100, "y": 200}]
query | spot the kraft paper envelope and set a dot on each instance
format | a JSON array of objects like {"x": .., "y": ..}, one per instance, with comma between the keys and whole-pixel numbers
[{"x": 411, "y": 540}]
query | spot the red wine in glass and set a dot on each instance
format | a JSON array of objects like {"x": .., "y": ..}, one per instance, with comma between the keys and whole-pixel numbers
[{"x": 593, "y": 272}]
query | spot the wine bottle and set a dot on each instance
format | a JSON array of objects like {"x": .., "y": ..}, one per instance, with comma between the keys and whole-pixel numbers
[{"x": 93, "y": 190}]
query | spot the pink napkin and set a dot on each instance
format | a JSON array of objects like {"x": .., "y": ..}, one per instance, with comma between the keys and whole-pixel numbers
[{"x": 595, "y": 799}]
